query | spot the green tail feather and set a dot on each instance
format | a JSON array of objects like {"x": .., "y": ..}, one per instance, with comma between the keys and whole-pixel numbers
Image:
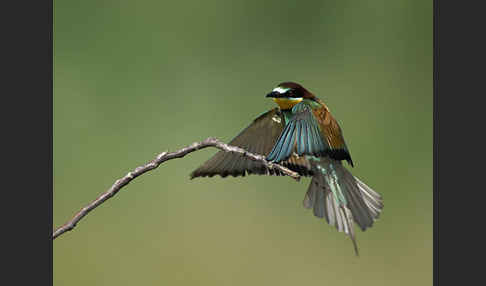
[{"x": 339, "y": 197}]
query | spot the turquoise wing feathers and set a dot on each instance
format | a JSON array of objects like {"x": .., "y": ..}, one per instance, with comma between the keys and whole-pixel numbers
[
  {"x": 258, "y": 138},
  {"x": 301, "y": 135}
]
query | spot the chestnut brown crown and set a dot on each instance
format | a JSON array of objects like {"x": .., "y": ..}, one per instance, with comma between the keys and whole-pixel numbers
[{"x": 290, "y": 89}]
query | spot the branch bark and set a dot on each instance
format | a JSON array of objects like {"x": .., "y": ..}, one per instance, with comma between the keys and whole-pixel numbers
[{"x": 161, "y": 158}]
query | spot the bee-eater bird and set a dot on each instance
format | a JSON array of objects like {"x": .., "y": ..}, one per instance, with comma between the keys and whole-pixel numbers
[{"x": 302, "y": 135}]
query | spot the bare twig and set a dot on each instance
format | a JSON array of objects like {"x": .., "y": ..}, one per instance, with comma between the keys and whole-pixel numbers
[{"x": 162, "y": 157}]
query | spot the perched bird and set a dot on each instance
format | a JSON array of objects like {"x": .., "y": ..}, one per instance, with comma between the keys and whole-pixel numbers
[{"x": 302, "y": 135}]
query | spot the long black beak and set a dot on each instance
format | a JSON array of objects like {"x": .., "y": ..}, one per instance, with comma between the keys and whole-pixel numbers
[{"x": 273, "y": 94}]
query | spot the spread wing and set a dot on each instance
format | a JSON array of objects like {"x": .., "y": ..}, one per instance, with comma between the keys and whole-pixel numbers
[
  {"x": 310, "y": 132},
  {"x": 258, "y": 138}
]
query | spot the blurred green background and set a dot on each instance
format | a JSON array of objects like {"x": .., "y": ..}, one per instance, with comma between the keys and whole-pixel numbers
[{"x": 135, "y": 78}]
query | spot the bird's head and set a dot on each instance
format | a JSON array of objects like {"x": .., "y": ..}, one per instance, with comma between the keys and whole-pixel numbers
[{"x": 288, "y": 94}]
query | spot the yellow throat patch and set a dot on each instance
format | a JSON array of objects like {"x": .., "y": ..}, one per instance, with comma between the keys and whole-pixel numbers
[{"x": 287, "y": 103}]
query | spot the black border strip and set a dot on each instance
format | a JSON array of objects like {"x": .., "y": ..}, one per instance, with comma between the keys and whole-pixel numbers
[{"x": 49, "y": 108}]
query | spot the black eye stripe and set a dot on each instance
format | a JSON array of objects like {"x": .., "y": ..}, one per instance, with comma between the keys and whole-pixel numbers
[{"x": 291, "y": 93}]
